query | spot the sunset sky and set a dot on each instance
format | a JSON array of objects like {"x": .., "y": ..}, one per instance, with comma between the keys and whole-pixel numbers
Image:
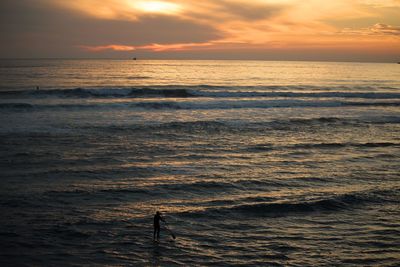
[{"x": 340, "y": 30}]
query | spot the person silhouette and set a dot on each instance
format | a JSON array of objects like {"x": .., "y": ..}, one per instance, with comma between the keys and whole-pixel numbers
[{"x": 157, "y": 219}]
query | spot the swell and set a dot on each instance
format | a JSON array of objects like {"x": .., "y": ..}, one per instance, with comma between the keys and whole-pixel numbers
[
  {"x": 100, "y": 93},
  {"x": 248, "y": 205},
  {"x": 322, "y": 146},
  {"x": 218, "y": 126},
  {"x": 346, "y": 144},
  {"x": 331, "y": 203},
  {"x": 161, "y": 189},
  {"x": 301, "y": 95},
  {"x": 200, "y": 91},
  {"x": 202, "y": 105},
  {"x": 16, "y": 106},
  {"x": 234, "y": 127},
  {"x": 164, "y": 190},
  {"x": 256, "y": 104},
  {"x": 227, "y": 125}
]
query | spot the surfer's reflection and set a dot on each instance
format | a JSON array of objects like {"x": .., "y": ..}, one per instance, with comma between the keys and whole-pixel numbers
[{"x": 156, "y": 255}]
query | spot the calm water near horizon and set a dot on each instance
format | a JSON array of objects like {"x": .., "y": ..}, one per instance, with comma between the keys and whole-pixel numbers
[{"x": 253, "y": 163}]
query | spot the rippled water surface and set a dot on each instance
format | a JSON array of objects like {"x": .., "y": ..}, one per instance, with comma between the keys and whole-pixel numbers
[{"x": 251, "y": 162}]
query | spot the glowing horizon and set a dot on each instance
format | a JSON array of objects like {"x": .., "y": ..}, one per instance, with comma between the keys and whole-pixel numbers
[{"x": 237, "y": 25}]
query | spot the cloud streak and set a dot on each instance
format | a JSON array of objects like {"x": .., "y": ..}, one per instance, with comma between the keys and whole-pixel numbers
[
  {"x": 108, "y": 47},
  {"x": 377, "y": 29},
  {"x": 151, "y": 47}
]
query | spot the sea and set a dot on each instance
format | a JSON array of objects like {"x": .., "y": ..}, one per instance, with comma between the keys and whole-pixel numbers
[{"x": 251, "y": 163}]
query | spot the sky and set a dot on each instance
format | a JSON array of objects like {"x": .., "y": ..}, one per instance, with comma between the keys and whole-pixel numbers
[{"x": 339, "y": 30}]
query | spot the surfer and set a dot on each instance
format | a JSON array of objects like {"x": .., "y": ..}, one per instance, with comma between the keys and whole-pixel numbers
[{"x": 156, "y": 225}]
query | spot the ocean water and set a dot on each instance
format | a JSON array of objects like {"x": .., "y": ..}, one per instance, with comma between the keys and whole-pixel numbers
[{"x": 252, "y": 163}]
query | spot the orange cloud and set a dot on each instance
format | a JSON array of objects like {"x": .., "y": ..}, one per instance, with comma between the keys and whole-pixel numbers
[
  {"x": 251, "y": 23},
  {"x": 377, "y": 29},
  {"x": 108, "y": 47},
  {"x": 174, "y": 47},
  {"x": 150, "y": 47}
]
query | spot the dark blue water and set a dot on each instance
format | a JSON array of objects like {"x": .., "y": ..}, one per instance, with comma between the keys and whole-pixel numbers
[{"x": 252, "y": 163}]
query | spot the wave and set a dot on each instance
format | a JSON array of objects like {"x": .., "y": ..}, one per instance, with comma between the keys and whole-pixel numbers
[
  {"x": 227, "y": 104},
  {"x": 342, "y": 145},
  {"x": 15, "y": 106},
  {"x": 269, "y": 147},
  {"x": 327, "y": 204},
  {"x": 283, "y": 94},
  {"x": 198, "y": 187},
  {"x": 201, "y": 91},
  {"x": 241, "y": 126},
  {"x": 101, "y": 93},
  {"x": 202, "y": 105},
  {"x": 80, "y": 193},
  {"x": 222, "y": 186}
]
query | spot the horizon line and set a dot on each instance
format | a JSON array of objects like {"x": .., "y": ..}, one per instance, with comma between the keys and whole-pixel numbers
[{"x": 193, "y": 59}]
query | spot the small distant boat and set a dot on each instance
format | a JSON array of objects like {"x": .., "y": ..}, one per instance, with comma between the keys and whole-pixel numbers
[{"x": 134, "y": 58}]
